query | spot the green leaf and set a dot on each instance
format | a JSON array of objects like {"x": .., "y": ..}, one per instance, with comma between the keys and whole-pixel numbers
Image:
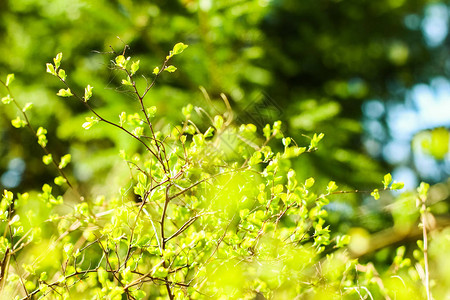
[
  {"x": 250, "y": 128},
  {"x": 122, "y": 118},
  {"x": 331, "y": 187},
  {"x": 397, "y": 185},
  {"x": 9, "y": 79},
  {"x": 18, "y": 122},
  {"x": 57, "y": 60},
  {"x": 87, "y": 92},
  {"x": 170, "y": 69},
  {"x": 156, "y": 70},
  {"x": 138, "y": 131},
  {"x": 277, "y": 129},
  {"x": 47, "y": 159},
  {"x": 127, "y": 81},
  {"x": 179, "y": 48},
  {"x": 286, "y": 141},
  {"x": 65, "y": 160},
  {"x": 120, "y": 61},
  {"x": 187, "y": 110},
  {"x": 139, "y": 294},
  {"x": 42, "y": 139},
  {"x": 43, "y": 276},
  {"x": 342, "y": 240},
  {"x": 68, "y": 248},
  {"x": 62, "y": 74},
  {"x": 142, "y": 179},
  {"x": 51, "y": 69},
  {"x": 27, "y": 106},
  {"x": 387, "y": 180},
  {"x": 160, "y": 272},
  {"x": 127, "y": 275},
  {"x": 135, "y": 67},
  {"x": 90, "y": 121},
  {"x": 102, "y": 275},
  {"x": 309, "y": 182},
  {"x": 423, "y": 189},
  {"x": 255, "y": 159},
  {"x": 151, "y": 111},
  {"x": 375, "y": 194},
  {"x": 64, "y": 93},
  {"x": 7, "y": 99},
  {"x": 209, "y": 132},
  {"x": 266, "y": 131},
  {"x": 144, "y": 240},
  {"x": 199, "y": 139},
  {"x": 60, "y": 180},
  {"x": 218, "y": 122},
  {"x": 7, "y": 196},
  {"x": 315, "y": 140},
  {"x": 41, "y": 131}
]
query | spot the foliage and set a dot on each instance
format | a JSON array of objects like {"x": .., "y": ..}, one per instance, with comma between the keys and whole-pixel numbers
[
  {"x": 316, "y": 61},
  {"x": 212, "y": 212}
]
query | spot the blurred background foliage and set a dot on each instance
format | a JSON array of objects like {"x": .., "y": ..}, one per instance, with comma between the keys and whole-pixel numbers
[{"x": 371, "y": 75}]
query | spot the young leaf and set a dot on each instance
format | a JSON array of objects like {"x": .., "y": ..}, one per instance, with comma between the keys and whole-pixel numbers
[
  {"x": 9, "y": 79},
  {"x": 120, "y": 60},
  {"x": 64, "y": 93},
  {"x": 342, "y": 240},
  {"x": 209, "y": 132},
  {"x": 135, "y": 67},
  {"x": 397, "y": 185},
  {"x": 309, "y": 182},
  {"x": 187, "y": 110},
  {"x": 266, "y": 131},
  {"x": 65, "y": 160},
  {"x": 138, "y": 131},
  {"x": 90, "y": 121},
  {"x": 178, "y": 48},
  {"x": 218, "y": 122},
  {"x": 127, "y": 81},
  {"x": 47, "y": 159},
  {"x": 156, "y": 70},
  {"x": 315, "y": 140},
  {"x": 57, "y": 60},
  {"x": 43, "y": 276},
  {"x": 7, "y": 99},
  {"x": 151, "y": 111},
  {"x": 375, "y": 194},
  {"x": 18, "y": 122},
  {"x": 51, "y": 69},
  {"x": 387, "y": 180},
  {"x": 423, "y": 189},
  {"x": 277, "y": 129},
  {"x": 122, "y": 118},
  {"x": 60, "y": 180},
  {"x": 68, "y": 248},
  {"x": 62, "y": 74},
  {"x": 286, "y": 141},
  {"x": 199, "y": 139},
  {"x": 41, "y": 131},
  {"x": 42, "y": 139},
  {"x": 331, "y": 187},
  {"x": 170, "y": 69},
  {"x": 27, "y": 106},
  {"x": 139, "y": 294},
  {"x": 87, "y": 93}
]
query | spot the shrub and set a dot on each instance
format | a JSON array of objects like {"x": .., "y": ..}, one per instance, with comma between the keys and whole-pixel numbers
[{"x": 214, "y": 213}]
